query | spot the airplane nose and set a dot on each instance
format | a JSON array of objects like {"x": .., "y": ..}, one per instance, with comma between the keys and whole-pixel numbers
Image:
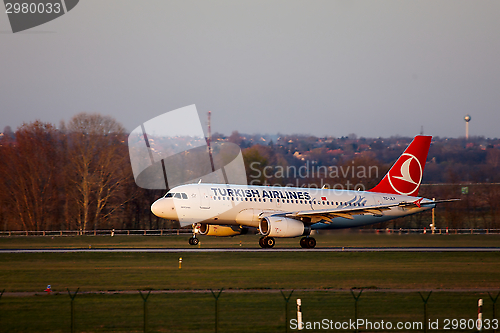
[{"x": 164, "y": 208}]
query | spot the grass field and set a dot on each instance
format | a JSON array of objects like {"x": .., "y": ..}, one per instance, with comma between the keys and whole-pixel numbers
[
  {"x": 266, "y": 270},
  {"x": 251, "y": 301},
  {"x": 238, "y": 312}
]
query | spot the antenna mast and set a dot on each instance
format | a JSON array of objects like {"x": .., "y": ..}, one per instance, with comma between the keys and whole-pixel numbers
[
  {"x": 209, "y": 129},
  {"x": 209, "y": 139}
]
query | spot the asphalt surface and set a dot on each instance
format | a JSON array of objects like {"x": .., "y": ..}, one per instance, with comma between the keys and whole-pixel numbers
[{"x": 257, "y": 250}]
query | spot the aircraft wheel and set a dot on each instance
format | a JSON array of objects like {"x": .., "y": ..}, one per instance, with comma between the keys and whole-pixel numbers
[
  {"x": 303, "y": 242},
  {"x": 269, "y": 242},
  {"x": 310, "y": 242},
  {"x": 193, "y": 241},
  {"x": 261, "y": 242}
]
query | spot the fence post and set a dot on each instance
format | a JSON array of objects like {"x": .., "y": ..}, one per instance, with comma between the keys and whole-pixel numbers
[
  {"x": 494, "y": 300},
  {"x": 145, "y": 299},
  {"x": 1, "y": 294},
  {"x": 299, "y": 314},
  {"x": 356, "y": 298},
  {"x": 425, "y": 308},
  {"x": 216, "y": 307},
  {"x": 286, "y": 308},
  {"x": 73, "y": 308}
]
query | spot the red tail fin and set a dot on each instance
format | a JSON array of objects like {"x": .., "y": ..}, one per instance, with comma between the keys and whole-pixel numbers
[{"x": 405, "y": 175}]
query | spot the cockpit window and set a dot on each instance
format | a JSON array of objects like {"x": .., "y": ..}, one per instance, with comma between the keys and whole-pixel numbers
[{"x": 176, "y": 195}]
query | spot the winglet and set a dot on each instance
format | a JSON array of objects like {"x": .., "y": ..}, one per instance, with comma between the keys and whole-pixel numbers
[{"x": 405, "y": 175}]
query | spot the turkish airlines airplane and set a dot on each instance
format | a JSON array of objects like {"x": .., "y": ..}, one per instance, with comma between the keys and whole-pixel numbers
[{"x": 277, "y": 212}]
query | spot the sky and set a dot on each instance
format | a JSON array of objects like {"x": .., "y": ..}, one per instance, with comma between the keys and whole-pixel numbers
[{"x": 373, "y": 68}]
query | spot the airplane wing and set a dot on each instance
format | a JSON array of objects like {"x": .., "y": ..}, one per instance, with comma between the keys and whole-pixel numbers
[{"x": 326, "y": 215}]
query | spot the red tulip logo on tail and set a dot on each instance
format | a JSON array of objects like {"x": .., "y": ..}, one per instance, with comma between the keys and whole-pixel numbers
[{"x": 405, "y": 176}]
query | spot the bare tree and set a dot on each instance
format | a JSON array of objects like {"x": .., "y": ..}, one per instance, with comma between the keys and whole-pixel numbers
[{"x": 98, "y": 159}]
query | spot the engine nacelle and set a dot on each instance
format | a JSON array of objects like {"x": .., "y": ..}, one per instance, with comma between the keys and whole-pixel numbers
[
  {"x": 275, "y": 226},
  {"x": 220, "y": 230}
]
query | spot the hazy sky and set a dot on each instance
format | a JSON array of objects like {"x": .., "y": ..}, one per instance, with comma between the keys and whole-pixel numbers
[{"x": 374, "y": 68}]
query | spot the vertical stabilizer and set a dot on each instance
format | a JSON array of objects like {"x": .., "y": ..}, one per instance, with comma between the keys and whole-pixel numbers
[{"x": 405, "y": 175}]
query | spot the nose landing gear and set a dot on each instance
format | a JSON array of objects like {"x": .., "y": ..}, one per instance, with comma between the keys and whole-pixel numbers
[{"x": 193, "y": 240}]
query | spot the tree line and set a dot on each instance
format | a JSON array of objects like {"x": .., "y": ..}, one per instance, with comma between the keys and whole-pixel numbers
[{"x": 77, "y": 176}]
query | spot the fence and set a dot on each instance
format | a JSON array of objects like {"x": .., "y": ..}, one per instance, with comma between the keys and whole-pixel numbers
[
  {"x": 249, "y": 311},
  {"x": 112, "y": 232},
  {"x": 184, "y": 231},
  {"x": 439, "y": 231}
]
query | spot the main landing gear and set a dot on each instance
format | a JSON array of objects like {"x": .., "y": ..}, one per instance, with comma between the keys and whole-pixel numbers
[
  {"x": 307, "y": 242},
  {"x": 266, "y": 242}
]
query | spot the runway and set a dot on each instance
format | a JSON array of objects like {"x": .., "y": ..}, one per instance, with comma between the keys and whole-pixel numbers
[{"x": 255, "y": 250}]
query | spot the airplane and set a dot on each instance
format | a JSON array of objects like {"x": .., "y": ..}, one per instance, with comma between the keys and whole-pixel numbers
[{"x": 286, "y": 212}]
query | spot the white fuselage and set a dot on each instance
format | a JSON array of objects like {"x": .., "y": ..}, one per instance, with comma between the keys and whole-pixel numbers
[{"x": 246, "y": 205}]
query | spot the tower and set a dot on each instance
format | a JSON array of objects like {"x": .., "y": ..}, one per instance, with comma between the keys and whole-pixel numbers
[{"x": 467, "y": 118}]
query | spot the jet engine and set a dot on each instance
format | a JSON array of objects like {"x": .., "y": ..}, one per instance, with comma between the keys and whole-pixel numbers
[
  {"x": 276, "y": 226},
  {"x": 220, "y": 230}
]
